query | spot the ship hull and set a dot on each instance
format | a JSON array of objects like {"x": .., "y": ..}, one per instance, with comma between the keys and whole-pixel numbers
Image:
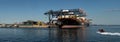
[{"x": 71, "y": 23}]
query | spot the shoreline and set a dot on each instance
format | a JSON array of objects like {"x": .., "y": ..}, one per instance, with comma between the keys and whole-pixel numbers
[{"x": 26, "y": 27}]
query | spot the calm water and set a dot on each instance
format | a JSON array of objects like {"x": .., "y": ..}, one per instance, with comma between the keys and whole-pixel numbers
[{"x": 59, "y": 35}]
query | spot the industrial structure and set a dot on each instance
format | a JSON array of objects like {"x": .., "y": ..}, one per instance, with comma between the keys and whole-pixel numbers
[{"x": 68, "y": 18}]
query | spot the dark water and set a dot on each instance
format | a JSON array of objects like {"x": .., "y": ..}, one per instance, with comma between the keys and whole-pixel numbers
[{"x": 88, "y": 34}]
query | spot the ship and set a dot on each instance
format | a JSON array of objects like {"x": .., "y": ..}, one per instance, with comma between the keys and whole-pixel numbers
[{"x": 68, "y": 18}]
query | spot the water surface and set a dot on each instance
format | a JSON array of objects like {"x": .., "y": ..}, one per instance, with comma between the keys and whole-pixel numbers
[{"x": 88, "y": 34}]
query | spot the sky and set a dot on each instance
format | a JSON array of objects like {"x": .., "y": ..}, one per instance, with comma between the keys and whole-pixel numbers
[{"x": 100, "y": 11}]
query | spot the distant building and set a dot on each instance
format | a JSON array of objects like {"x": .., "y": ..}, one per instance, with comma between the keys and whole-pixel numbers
[{"x": 29, "y": 22}]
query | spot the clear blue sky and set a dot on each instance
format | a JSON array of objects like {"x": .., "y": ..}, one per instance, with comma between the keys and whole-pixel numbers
[{"x": 100, "y": 11}]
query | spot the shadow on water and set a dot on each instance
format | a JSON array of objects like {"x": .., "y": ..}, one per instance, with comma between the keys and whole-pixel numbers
[{"x": 67, "y": 35}]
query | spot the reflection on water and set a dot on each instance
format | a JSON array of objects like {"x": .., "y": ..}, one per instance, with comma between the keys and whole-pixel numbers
[
  {"x": 67, "y": 35},
  {"x": 41, "y": 35}
]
